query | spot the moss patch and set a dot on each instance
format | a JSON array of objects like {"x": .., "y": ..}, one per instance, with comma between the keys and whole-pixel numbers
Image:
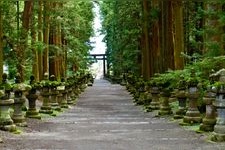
[
  {"x": 193, "y": 127},
  {"x": 17, "y": 131}
]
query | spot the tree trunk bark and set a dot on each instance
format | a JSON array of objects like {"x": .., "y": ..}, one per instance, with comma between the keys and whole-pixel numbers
[
  {"x": 146, "y": 50},
  {"x": 1, "y": 42},
  {"x": 40, "y": 39},
  {"x": 156, "y": 41},
  {"x": 46, "y": 37},
  {"x": 22, "y": 45},
  {"x": 35, "y": 69},
  {"x": 167, "y": 51},
  {"x": 178, "y": 34},
  {"x": 214, "y": 38}
]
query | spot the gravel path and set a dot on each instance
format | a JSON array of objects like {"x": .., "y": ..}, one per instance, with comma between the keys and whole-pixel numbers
[{"x": 106, "y": 119}]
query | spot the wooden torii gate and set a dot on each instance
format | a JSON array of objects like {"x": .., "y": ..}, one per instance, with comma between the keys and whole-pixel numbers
[{"x": 101, "y": 57}]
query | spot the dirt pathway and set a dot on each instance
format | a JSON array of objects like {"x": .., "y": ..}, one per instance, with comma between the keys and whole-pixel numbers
[{"x": 106, "y": 119}]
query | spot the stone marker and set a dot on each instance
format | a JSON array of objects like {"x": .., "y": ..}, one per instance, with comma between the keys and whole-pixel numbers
[
  {"x": 209, "y": 120},
  {"x": 6, "y": 123},
  {"x": 181, "y": 95},
  {"x": 165, "y": 107},
  {"x": 63, "y": 94},
  {"x": 45, "y": 93},
  {"x": 155, "y": 98},
  {"x": 54, "y": 94},
  {"x": 32, "y": 97},
  {"x": 219, "y": 129},
  {"x": 19, "y": 100},
  {"x": 192, "y": 115}
]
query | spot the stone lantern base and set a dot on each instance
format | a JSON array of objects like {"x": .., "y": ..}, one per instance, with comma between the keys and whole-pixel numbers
[
  {"x": 46, "y": 107},
  {"x": 219, "y": 129},
  {"x": 155, "y": 104},
  {"x": 83, "y": 87},
  {"x": 179, "y": 114},
  {"x": 207, "y": 124},
  {"x": 209, "y": 121},
  {"x": 55, "y": 102},
  {"x": 18, "y": 116},
  {"x": 33, "y": 113},
  {"x": 165, "y": 107},
  {"x": 56, "y": 107},
  {"x": 219, "y": 133},
  {"x": 6, "y": 123},
  {"x": 192, "y": 117},
  {"x": 70, "y": 101},
  {"x": 64, "y": 105},
  {"x": 90, "y": 84},
  {"x": 46, "y": 110}
]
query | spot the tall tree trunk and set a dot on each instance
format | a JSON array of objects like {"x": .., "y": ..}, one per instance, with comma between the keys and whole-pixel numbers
[
  {"x": 178, "y": 34},
  {"x": 146, "y": 50},
  {"x": 22, "y": 45},
  {"x": 52, "y": 55},
  {"x": 186, "y": 29},
  {"x": 167, "y": 37},
  {"x": 214, "y": 38},
  {"x": 40, "y": 39},
  {"x": 60, "y": 64},
  {"x": 65, "y": 54},
  {"x": 46, "y": 37},
  {"x": 35, "y": 69},
  {"x": 156, "y": 41},
  {"x": 1, "y": 42}
]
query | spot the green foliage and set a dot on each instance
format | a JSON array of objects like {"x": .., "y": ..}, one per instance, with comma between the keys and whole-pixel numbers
[
  {"x": 121, "y": 22},
  {"x": 21, "y": 87},
  {"x": 6, "y": 86},
  {"x": 77, "y": 22},
  {"x": 203, "y": 69},
  {"x": 168, "y": 80}
]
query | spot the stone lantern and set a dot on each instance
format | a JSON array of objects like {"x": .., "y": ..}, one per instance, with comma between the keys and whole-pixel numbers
[
  {"x": 154, "y": 105},
  {"x": 147, "y": 99},
  {"x": 90, "y": 79},
  {"x": 164, "y": 98},
  {"x": 69, "y": 87},
  {"x": 63, "y": 94},
  {"x": 45, "y": 93},
  {"x": 192, "y": 115},
  {"x": 54, "y": 93},
  {"x": 219, "y": 128},
  {"x": 139, "y": 89},
  {"x": 209, "y": 120},
  {"x": 123, "y": 82},
  {"x": 6, "y": 123},
  {"x": 32, "y": 97},
  {"x": 19, "y": 100},
  {"x": 181, "y": 95},
  {"x": 140, "y": 93},
  {"x": 73, "y": 92}
]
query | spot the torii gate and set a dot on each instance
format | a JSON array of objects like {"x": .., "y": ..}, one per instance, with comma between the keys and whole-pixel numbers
[{"x": 101, "y": 57}]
